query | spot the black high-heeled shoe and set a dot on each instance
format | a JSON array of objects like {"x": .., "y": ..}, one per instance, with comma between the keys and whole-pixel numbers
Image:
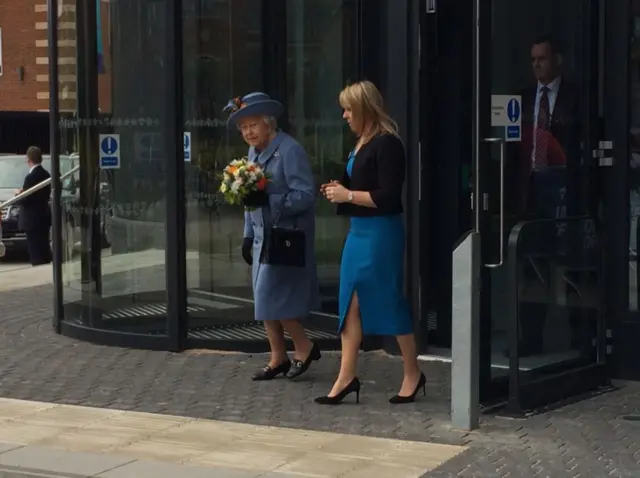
[
  {"x": 422, "y": 384},
  {"x": 353, "y": 387},
  {"x": 269, "y": 373}
]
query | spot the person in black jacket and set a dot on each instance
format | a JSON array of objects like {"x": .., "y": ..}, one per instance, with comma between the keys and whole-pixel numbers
[
  {"x": 549, "y": 156},
  {"x": 371, "y": 273},
  {"x": 546, "y": 178},
  {"x": 35, "y": 213}
]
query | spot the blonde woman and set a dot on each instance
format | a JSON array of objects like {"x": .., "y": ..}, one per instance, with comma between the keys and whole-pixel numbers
[{"x": 371, "y": 272}]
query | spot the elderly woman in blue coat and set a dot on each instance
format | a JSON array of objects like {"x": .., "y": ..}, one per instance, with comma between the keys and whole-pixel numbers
[{"x": 283, "y": 295}]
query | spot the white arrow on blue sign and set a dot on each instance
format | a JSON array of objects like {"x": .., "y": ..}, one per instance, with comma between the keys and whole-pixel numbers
[
  {"x": 187, "y": 146},
  {"x": 513, "y": 110},
  {"x": 109, "y": 151}
]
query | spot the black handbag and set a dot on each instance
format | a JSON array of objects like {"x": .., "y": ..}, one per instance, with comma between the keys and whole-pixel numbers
[{"x": 283, "y": 246}]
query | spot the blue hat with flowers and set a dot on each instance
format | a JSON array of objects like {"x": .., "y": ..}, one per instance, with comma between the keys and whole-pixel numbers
[{"x": 253, "y": 104}]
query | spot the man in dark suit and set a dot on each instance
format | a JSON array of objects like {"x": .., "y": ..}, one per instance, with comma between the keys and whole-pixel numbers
[
  {"x": 35, "y": 213},
  {"x": 549, "y": 157},
  {"x": 545, "y": 174}
]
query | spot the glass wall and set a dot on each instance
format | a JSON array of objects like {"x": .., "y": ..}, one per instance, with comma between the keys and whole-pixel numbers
[
  {"x": 232, "y": 48},
  {"x": 112, "y": 86},
  {"x": 116, "y": 119}
]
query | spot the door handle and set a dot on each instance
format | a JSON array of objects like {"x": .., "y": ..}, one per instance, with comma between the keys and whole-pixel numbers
[{"x": 502, "y": 155}]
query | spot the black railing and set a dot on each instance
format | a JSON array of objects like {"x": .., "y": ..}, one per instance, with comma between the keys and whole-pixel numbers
[{"x": 555, "y": 311}]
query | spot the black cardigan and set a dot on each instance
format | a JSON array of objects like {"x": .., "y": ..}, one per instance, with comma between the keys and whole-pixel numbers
[{"x": 379, "y": 168}]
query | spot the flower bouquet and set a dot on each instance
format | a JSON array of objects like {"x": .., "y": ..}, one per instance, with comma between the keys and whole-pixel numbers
[{"x": 244, "y": 182}]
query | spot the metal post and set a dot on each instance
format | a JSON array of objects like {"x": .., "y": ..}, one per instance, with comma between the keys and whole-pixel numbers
[
  {"x": 87, "y": 110},
  {"x": 465, "y": 342},
  {"x": 54, "y": 116},
  {"x": 173, "y": 129}
]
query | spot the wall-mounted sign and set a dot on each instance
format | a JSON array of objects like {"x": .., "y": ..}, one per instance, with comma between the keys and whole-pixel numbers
[
  {"x": 506, "y": 112},
  {"x": 109, "y": 151}
]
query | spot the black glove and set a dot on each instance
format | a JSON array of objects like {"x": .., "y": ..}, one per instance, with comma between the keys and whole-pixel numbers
[
  {"x": 256, "y": 199},
  {"x": 247, "y": 245}
]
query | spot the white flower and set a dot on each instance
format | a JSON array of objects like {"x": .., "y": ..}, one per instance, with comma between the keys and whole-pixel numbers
[
  {"x": 236, "y": 185},
  {"x": 224, "y": 188}
]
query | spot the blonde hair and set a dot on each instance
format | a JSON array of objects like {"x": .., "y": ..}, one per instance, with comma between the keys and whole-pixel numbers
[{"x": 365, "y": 102}]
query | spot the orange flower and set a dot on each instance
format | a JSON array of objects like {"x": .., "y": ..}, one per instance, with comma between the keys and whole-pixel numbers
[
  {"x": 231, "y": 169},
  {"x": 261, "y": 184},
  {"x": 238, "y": 103}
]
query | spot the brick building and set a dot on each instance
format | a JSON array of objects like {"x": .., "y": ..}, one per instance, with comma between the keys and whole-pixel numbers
[
  {"x": 24, "y": 81},
  {"x": 24, "y": 64}
]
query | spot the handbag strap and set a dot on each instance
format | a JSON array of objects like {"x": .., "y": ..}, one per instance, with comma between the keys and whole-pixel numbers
[
  {"x": 281, "y": 207},
  {"x": 279, "y": 214}
]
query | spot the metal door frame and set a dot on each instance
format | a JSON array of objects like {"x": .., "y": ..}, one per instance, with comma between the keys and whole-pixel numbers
[{"x": 622, "y": 332}]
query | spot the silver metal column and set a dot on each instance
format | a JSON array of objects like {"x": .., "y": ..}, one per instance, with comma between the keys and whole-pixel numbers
[{"x": 465, "y": 339}]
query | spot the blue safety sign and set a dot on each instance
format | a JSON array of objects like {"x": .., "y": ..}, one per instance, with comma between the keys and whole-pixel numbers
[{"x": 109, "y": 151}]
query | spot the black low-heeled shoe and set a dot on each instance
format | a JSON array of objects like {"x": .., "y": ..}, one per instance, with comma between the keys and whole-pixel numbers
[
  {"x": 269, "y": 373},
  {"x": 353, "y": 387},
  {"x": 422, "y": 384},
  {"x": 298, "y": 367}
]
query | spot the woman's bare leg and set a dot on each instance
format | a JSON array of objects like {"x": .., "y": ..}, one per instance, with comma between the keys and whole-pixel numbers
[
  {"x": 409, "y": 351},
  {"x": 275, "y": 335},
  {"x": 301, "y": 342},
  {"x": 351, "y": 339}
]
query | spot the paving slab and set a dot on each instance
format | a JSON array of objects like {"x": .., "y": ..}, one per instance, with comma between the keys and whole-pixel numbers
[
  {"x": 247, "y": 450},
  {"x": 35, "y": 458},
  {"x": 5, "y": 447},
  {"x": 18, "y": 473},
  {"x": 135, "y": 469},
  {"x": 139, "y": 469}
]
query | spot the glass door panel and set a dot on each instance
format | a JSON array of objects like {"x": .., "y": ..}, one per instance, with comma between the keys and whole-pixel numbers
[{"x": 536, "y": 129}]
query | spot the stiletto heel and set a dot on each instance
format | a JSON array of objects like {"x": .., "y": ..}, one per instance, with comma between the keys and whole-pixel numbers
[
  {"x": 422, "y": 384},
  {"x": 353, "y": 387}
]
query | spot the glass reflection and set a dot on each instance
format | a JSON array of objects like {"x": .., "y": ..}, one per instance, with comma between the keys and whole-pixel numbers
[
  {"x": 114, "y": 229},
  {"x": 559, "y": 280},
  {"x": 231, "y": 48},
  {"x": 543, "y": 62}
]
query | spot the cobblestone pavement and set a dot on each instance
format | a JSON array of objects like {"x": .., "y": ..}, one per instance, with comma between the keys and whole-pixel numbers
[{"x": 585, "y": 439}]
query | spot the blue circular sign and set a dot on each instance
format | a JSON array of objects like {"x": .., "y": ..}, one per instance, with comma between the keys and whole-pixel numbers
[{"x": 109, "y": 145}]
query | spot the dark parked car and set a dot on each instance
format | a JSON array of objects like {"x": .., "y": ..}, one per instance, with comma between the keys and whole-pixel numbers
[{"x": 13, "y": 169}]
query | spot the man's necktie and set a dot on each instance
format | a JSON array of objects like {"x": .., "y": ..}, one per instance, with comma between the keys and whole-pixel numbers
[{"x": 542, "y": 130}]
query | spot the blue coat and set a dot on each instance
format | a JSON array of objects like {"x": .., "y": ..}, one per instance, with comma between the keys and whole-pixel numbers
[{"x": 281, "y": 292}]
